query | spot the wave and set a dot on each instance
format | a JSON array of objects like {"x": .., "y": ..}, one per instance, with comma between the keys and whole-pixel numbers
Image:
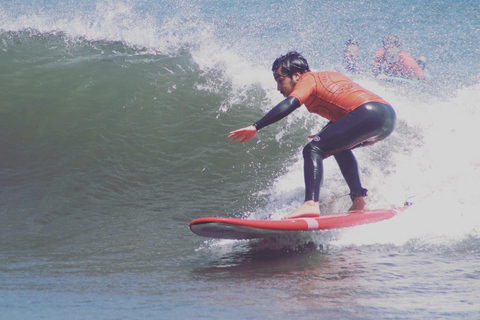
[
  {"x": 249, "y": 38},
  {"x": 125, "y": 106},
  {"x": 429, "y": 160}
]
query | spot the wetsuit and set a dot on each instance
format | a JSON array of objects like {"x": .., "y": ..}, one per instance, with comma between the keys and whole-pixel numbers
[{"x": 357, "y": 118}]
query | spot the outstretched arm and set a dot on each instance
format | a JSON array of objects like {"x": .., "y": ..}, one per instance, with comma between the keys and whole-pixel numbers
[{"x": 279, "y": 112}]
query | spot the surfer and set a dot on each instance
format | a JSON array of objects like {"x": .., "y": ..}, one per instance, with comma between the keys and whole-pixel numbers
[
  {"x": 351, "y": 57},
  {"x": 357, "y": 117},
  {"x": 392, "y": 61}
]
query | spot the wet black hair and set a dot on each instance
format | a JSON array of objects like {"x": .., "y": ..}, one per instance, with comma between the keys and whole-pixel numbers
[
  {"x": 291, "y": 63},
  {"x": 421, "y": 63},
  {"x": 351, "y": 42},
  {"x": 392, "y": 40}
]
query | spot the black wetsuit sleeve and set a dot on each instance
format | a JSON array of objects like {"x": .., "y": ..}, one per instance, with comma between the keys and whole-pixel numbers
[{"x": 278, "y": 112}]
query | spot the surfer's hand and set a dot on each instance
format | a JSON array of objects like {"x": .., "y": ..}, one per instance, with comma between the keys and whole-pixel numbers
[{"x": 243, "y": 134}]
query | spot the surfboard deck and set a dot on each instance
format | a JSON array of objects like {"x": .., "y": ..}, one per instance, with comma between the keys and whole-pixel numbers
[
  {"x": 235, "y": 228},
  {"x": 399, "y": 80}
]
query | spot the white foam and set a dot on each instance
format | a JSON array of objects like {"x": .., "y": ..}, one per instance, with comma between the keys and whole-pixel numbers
[{"x": 438, "y": 172}]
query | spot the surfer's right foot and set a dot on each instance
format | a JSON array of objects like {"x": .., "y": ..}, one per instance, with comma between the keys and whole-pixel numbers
[
  {"x": 358, "y": 204},
  {"x": 307, "y": 209}
]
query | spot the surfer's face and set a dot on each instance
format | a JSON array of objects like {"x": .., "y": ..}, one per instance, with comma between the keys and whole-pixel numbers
[
  {"x": 351, "y": 52},
  {"x": 391, "y": 53},
  {"x": 285, "y": 83}
]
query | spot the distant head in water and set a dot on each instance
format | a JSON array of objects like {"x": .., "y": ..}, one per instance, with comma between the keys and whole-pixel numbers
[
  {"x": 392, "y": 46},
  {"x": 351, "y": 53}
]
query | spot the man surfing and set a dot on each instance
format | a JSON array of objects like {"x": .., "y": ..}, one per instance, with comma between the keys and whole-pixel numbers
[{"x": 357, "y": 117}]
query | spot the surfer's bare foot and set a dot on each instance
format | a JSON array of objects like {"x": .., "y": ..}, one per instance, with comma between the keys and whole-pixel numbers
[
  {"x": 307, "y": 209},
  {"x": 358, "y": 204}
]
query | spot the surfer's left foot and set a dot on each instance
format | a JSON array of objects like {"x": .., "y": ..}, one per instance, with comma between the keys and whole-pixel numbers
[
  {"x": 358, "y": 204},
  {"x": 307, "y": 209}
]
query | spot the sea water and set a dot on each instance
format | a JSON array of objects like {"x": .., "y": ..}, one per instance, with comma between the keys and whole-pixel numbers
[{"x": 114, "y": 118}]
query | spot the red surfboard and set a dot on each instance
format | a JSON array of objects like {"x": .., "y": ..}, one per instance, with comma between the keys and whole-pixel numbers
[{"x": 234, "y": 228}]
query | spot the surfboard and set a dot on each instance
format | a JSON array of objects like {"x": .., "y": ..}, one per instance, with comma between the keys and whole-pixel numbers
[
  {"x": 399, "y": 80},
  {"x": 235, "y": 228}
]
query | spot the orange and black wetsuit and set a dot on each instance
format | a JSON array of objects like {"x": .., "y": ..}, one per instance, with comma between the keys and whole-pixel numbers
[{"x": 357, "y": 117}]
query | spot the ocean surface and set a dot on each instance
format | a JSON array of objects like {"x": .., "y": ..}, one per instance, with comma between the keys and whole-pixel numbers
[{"x": 114, "y": 118}]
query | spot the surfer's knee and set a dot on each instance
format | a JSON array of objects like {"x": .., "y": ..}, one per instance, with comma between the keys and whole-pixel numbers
[{"x": 310, "y": 151}]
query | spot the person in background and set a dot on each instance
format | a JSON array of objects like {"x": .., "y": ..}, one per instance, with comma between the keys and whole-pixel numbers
[
  {"x": 357, "y": 117},
  {"x": 392, "y": 61},
  {"x": 351, "y": 58}
]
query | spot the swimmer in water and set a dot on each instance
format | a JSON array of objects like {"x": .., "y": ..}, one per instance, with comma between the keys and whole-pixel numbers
[{"x": 392, "y": 61}]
